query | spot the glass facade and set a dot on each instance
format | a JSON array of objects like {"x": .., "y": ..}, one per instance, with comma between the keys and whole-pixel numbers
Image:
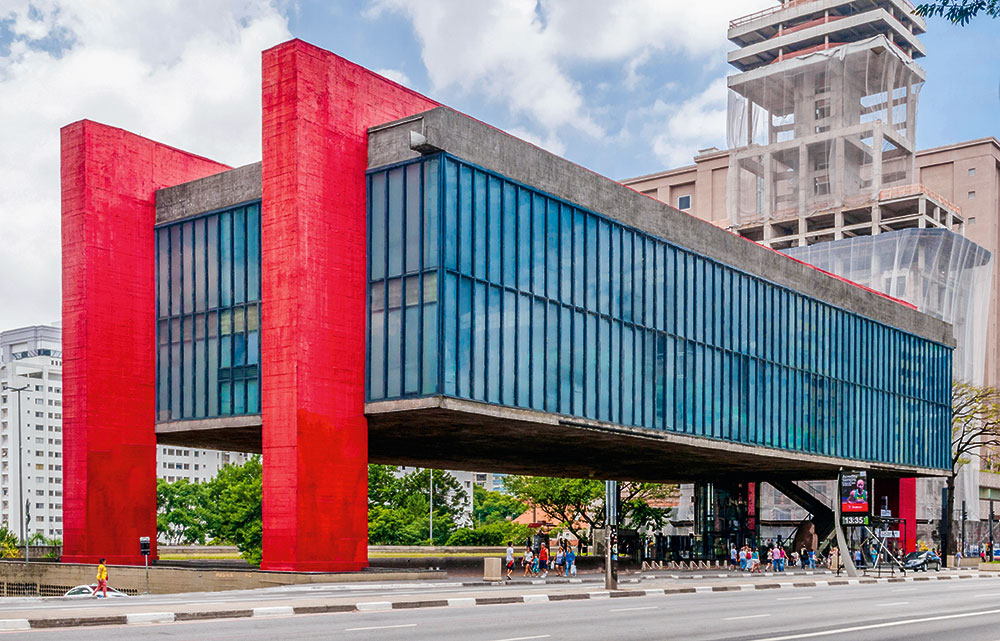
[
  {"x": 208, "y": 315},
  {"x": 485, "y": 289}
]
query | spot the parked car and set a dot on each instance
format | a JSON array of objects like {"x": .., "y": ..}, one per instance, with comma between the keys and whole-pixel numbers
[
  {"x": 84, "y": 591},
  {"x": 925, "y": 560}
]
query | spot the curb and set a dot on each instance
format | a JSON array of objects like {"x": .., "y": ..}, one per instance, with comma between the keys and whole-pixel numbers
[{"x": 152, "y": 618}]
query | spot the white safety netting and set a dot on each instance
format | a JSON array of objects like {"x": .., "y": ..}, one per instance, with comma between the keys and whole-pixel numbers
[
  {"x": 821, "y": 129},
  {"x": 945, "y": 276}
]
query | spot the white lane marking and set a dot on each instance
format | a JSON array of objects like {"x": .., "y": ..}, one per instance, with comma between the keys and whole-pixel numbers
[
  {"x": 593, "y": 595},
  {"x": 793, "y": 598},
  {"x": 276, "y": 611},
  {"x": 645, "y": 607},
  {"x": 987, "y": 594},
  {"x": 747, "y": 616},
  {"x": 886, "y": 605},
  {"x": 369, "y": 606},
  {"x": 540, "y": 636},
  {"x": 703, "y": 588},
  {"x": 875, "y": 626},
  {"x": 535, "y": 598},
  {"x": 150, "y": 617},
  {"x": 905, "y": 590},
  {"x": 382, "y": 627},
  {"x": 463, "y": 601},
  {"x": 14, "y": 624}
]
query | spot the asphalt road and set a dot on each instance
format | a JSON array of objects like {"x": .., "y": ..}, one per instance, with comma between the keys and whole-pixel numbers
[{"x": 966, "y": 610}]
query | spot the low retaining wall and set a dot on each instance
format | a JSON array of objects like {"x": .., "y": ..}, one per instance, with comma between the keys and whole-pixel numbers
[{"x": 54, "y": 579}]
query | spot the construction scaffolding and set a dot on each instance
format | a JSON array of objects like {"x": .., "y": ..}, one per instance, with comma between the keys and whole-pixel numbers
[{"x": 825, "y": 129}]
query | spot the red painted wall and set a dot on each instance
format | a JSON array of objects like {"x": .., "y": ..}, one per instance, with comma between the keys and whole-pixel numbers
[
  {"x": 109, "y": 335},
  {"x": 317, "y": 108},
  {"x": 902, "y": 501}
]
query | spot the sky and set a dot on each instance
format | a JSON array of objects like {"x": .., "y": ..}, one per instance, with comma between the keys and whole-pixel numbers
[{"x": 625, "y": 88}]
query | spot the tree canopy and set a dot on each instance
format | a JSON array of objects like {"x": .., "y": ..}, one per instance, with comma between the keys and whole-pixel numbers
[
  {"x": 574, "y": 502},
  {"x": 958, "y": 11}
]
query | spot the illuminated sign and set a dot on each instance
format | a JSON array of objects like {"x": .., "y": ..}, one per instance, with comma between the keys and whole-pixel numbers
[{"x": 854, "y": 492}]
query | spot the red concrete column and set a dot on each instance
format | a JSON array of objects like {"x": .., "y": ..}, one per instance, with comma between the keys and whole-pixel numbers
[
  {"x": 317, "y": 108},
  {"x": 908, "y": 511},
  {"x": 109, "y": 177},
  {"x": 901, "y": 495}
]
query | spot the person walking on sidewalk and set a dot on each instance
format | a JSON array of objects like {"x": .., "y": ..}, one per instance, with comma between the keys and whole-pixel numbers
[
  {"x": 509, "y": 560},
  {"x": 543, "y": 559},
  {"x": 570, "y": 560},
  {"x": 102, "y": 580}
]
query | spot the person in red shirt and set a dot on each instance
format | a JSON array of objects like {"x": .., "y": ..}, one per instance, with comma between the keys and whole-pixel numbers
[{"x": 543, "y": 560}]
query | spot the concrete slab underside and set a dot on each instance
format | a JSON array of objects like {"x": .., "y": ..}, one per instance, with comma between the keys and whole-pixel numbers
[
  {"x": 457, "y": 434},
  {"x": 451, "y": 433}
]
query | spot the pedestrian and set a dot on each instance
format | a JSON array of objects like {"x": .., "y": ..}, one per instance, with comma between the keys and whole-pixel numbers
[
  {"x": 743, "y": 558},
  {"x": 543, "y": 559},
  {"x": 770, "y": 559},
  {"x": 804, "y": 557},
  {"x": 560, "y": 557},
  {"x": 958, "y": 558},
  {"x": 795, "y": 558},
  {"x": 812, "y": 559},
  {"x": 732, "y": 556},
  {"x": 755, "y": 561},
  {"x": 528, "y": 560},
  {"x": 509, "y": 560},
  {"x": 102, "y": 580},
  {"x": 781, "y": 559}
]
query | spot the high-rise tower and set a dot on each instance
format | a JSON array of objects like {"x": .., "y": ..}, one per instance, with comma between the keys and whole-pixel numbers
[{"x": 822, "y": 117}]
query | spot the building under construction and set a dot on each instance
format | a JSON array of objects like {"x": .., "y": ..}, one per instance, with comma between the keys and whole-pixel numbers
[{"x": 822, "y": 164}]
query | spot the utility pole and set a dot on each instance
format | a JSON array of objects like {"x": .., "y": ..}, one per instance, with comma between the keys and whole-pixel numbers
[
  {"x": 965, "y": 515},
  {"x": 991, "y": 531},
  {"x": 432, "y": 505},
  {"x": 611, "y": 500},
  {"x": 20, "y": 469}
]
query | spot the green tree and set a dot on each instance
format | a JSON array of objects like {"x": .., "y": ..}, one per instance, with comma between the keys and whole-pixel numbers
[
  {"x": 576, "y": 501},
  {"x": 8, "y": 544},
  {"x": 180, "y": 512},
  {"x": 491, "y": 507},
  {"x": 496, "y": 533},
  {"x": 399, "y": 506},
  {"x": 958, "y": 11},
  {"x": 975, "y": 426},
  {"x": 233, "y": 508}
]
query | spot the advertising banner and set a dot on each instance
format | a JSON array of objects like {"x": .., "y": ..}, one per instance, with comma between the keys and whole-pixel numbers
[{"x": 854, "y": 493}]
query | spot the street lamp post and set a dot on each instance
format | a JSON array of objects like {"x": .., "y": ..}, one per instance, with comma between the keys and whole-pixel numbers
[{"x": 20, "y": 467}]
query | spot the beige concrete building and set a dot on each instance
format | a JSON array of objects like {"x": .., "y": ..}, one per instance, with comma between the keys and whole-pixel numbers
[{"x": 966, "y": 175}]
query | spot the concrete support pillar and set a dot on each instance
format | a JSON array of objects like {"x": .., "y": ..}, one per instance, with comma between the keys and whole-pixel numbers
[
  {"x": 877, "y": 141},
  {"x": 805, "y": 182},
  {"x": 316, "y": 111},
  {"x": 838, "y": 225},
  {"x": 768, "y": 186},
  {"x": 876, "y": 220},
  {"x": 109, "y": 183}
]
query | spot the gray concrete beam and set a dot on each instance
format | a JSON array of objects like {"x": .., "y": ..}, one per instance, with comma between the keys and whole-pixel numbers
[
  {"x": 221, "y": 190},
  {"x": 495, "y": 150}
]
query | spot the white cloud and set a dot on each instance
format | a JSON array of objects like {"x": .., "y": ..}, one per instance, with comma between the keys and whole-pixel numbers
[
  {"x": 395, "y": 75},
  {"x": 531, "y": 54},
  {"x": 186, "y": 76},
  {"x": 680, "y": 130}
]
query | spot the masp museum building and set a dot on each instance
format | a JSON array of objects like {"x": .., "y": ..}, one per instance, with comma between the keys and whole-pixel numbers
[{"x": 397, "y": 282}]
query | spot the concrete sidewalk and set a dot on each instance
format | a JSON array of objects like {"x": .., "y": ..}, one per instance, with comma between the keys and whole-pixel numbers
[{"x": 27, "y": 614}]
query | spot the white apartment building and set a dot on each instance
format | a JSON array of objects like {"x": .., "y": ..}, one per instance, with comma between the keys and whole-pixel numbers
[
  {"x": 31, "y": 430},
  {"x": 31, "y": 360}
]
